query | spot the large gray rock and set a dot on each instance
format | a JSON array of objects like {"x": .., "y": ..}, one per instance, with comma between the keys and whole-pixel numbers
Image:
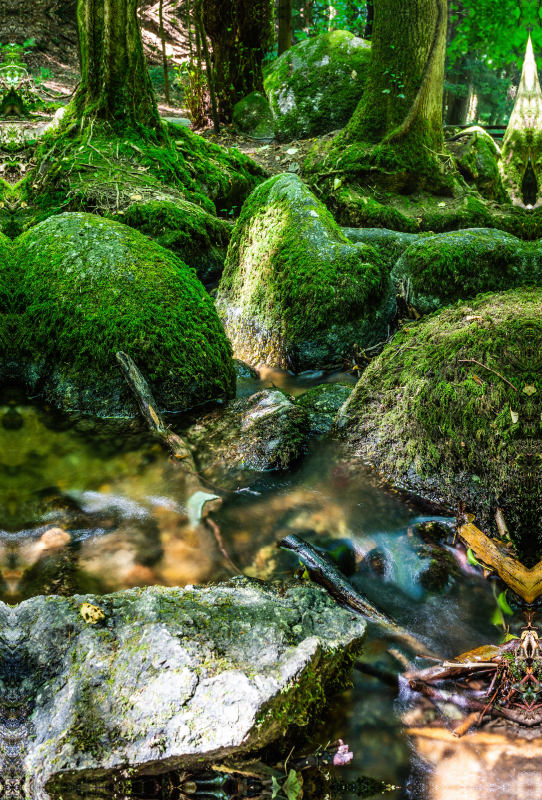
[
  {"x": 164, "y": 678},
  {"x": 295, "y": 292},
  {"x": 315, "y": 86},
  {"x": 252, "y": 116}
]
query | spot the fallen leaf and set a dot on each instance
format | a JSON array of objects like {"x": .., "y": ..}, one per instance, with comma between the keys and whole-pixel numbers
[
  {"x": 336, "y": 183},
  {"x": 477, "y": 380},
  {"x": 515, "y": 416},
  {"x": 292, "y": 151},
  {"x": 354, "y": 74},
  {"x": 136, "y": 197},
  {"x": 293, "y": 167},
  {"x": 23, "y": 204},
  {"x": 91, "y": 614}
]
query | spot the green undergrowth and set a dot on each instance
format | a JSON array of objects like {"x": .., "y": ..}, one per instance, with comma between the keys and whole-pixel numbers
[
  {"x": 451, "y": 410},
  {"x": 94, "y": 170},
  {"x": 88, "y": 287}
]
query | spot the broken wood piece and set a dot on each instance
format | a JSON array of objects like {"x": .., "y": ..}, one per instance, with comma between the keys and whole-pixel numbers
[
  {"x": 470, "y": 720},
  {"x": 527, "y": 583}
]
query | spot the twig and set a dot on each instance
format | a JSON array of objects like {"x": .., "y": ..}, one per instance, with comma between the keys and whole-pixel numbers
[
  {"x": 216, "y": 530},
  {"x": 473, "y": 361}
]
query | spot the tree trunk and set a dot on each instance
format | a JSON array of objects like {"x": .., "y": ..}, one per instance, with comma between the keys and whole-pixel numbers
[
  {"x": 115, "y": 83},
  {"x": 241, "y": 33},
  {"x": 285, "y": 26},
  {"x": 164, "y": 56},
  {"x": 370, "y": 19},
  {"x": 396, "y": 129}
]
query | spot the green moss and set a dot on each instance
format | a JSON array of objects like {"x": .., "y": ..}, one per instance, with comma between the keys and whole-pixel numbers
[
  {"x": 291, "y": 275},
  {"x": 315, "y": 86},
  {"x": 198, "y": 238},
  {"x": 442, "y": 426},
  {"x": 89, "y": 287},
  {"x": 322, "y": 404},
  {"x": 461, "y": 264},
  {"x": 252, "y": 116}
]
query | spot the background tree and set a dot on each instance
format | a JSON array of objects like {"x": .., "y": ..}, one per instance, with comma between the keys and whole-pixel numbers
[
  {"x": 285, "y": 26},
  {"x": 395, "y": 134},
  {"x": 241, "y": 34},
  {"x": 115, "y": 83}
]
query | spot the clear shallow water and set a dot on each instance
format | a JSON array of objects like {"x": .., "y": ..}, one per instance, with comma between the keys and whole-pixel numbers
[{"x": 85, "y": 512}]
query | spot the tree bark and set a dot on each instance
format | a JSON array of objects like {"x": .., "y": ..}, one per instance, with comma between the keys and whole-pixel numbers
[
  {"x": 115, "y": 83},
  {"x": 370, "y": 19},
  {"x": 241, "y": 33},
  {"x": 164, "y": 56},
  {"x": 396, "y": 129},
  {"x": 285, "y": 26}
]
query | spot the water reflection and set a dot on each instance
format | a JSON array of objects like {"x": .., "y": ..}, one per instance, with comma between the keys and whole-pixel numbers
[{"x": 85, "y": 508}]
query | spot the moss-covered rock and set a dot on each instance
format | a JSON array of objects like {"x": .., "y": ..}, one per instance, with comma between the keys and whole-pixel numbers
[
  {"x": 295, "y": 292},
  {"x": 252, "y": 116},
  {"x": 315, "y": 86},
  {"x": 444, "y": 268},
  {"x": 451, "y": 410},
  {"x": 477, "y": 157},
  {"x": 88, "y": 287},
  {"x": 322, "y": 404},
  {"x": 389, "y": 244},
  {"x": 199, "y": 239}
]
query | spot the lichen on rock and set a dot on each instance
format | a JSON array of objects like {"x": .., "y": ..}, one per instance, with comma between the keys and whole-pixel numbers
[
  {"x": 322, "y": 404},
  {"x": 295, "y": 292},
  {"x": 315, "y": 86},
  {"x": 175, "y": 677}
]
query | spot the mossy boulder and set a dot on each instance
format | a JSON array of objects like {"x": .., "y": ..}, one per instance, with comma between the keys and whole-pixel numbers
[
  {"x": 199, "y": 239},
  {"x": 451, "y": 410},
  {"x": 295, "y": 292},
  {"x": 252, "y": 116},
  {"x": 444, "y": 268},
  {"x": 149, "y": 680},
  {"x": 389, "y": 244},
  {"x": 88, "y": 287},
  {"x": 315, "y": 86},
  {"x": 477, "y": 158},
  {"x": 322, "y": 404}
]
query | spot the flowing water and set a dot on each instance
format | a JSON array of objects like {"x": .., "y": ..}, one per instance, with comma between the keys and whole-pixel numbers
[{"x": 85, "y": 510}]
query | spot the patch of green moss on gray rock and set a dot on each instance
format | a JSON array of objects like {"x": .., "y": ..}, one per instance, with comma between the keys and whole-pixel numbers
[
  {"x": 315, "y": 86},
  {"x": 322, "y": 404},
  {"x": 197, "y": 237},
  {"x": 451, "y": 410},
  {"x": 390, "y": 244},
  {"x": 295, "y": 292},
  {"x": 268, "y": 430},
  {"x": 172, "y": 678},
  {"x": 459, "y": 265},
  {"x": 88, "y": 287},
  {"x": 252, "y": 116}
]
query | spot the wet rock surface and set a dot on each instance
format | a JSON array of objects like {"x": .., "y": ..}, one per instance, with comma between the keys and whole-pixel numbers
[
  {"x": 159, "y": 678},
  {"x": 315, "y": 86},
  {"x": 322, "y": 403},
  {"x": 265, "y": 431}
]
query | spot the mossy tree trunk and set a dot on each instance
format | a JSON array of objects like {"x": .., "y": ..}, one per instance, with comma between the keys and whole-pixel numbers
[
  {"x": 395, "y": 133},
  {"x": 241, "y": 32},
  {"x": 115, "y": 83}
]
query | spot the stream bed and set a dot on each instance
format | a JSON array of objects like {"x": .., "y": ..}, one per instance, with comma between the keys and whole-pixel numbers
[{"x": 91, "y": 510}]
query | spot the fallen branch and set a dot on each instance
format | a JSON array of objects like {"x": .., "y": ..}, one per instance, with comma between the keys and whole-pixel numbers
[
  {"x": 328, "y": 576},
  {"x": 473, "y": 361}
]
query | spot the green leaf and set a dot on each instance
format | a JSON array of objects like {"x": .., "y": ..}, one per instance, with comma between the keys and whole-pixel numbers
[
  {"x": 386, "y": 91},
  {"x": 291, "y": 786},
  {"x": 276, "y": 787},
  {"x": 471, "y": 559},
  {"x": 509, "y": 636},
  {"x": 401, "y": 95},
  {"x": 497, "y": 619},
  {"x": 503, "y": 603}
]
